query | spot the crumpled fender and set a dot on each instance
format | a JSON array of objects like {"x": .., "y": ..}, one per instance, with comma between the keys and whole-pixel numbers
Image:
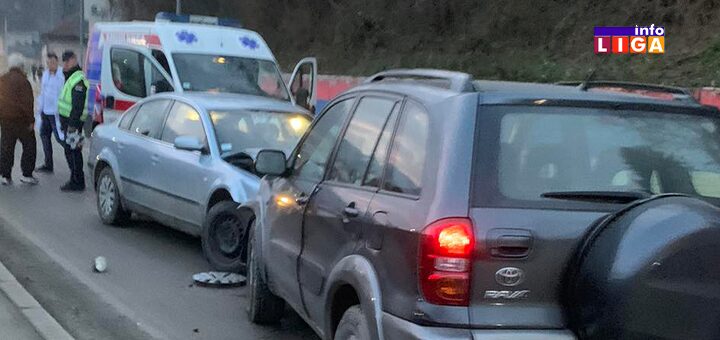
[{"x": 259, "y": 209}]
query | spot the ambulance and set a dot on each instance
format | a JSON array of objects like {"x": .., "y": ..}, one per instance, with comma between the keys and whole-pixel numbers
[{"x": 128, "y": 61}]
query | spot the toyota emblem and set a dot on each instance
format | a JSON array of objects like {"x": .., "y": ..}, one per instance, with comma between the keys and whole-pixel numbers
[{"x": 509, "y": 276}]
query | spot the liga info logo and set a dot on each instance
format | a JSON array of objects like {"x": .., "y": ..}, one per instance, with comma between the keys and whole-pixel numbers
[{"x": 633, "y": 40}]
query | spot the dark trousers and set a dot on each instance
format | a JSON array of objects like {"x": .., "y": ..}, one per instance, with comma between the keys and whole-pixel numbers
[
  {"x": 74, "y": 157},
  {"x": 48, "y": 129},
  {"x": 10, "y": 133}
]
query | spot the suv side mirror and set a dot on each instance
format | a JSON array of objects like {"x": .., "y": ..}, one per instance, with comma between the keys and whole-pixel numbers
[
  {"x": 189, "y": 143},
  {"x": 270, "y": 162}
]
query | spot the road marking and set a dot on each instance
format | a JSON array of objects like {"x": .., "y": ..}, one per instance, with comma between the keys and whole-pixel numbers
[{"x": 38, "y": 317}]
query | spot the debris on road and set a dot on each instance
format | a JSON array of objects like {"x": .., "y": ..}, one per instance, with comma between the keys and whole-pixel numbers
[
  {"x": 220, "y": 279},
  {"x": 100, "y": 264}
]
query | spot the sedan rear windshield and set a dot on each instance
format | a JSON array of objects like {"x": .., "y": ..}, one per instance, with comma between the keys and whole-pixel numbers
[{"x": 527, "y": 152}]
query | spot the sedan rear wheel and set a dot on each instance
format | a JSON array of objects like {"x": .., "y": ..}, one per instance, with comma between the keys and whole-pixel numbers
[{"x": 108, "y": 199}]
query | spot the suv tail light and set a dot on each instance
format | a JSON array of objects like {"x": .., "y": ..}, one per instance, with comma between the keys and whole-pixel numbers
[{"x": 446, "y": 248}]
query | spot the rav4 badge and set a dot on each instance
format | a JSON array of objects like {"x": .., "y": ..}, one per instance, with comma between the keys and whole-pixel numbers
[{"x": 509, "y": 276}]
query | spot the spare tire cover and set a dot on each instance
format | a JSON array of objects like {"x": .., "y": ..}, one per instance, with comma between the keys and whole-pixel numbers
[{"x": 651, "y": 271}]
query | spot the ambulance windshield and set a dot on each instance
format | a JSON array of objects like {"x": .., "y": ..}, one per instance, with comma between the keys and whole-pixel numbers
[{"x": 213, "y": 73}]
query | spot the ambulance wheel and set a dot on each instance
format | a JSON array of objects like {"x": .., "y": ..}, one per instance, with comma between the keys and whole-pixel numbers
[{"x": 109, "y": 202}]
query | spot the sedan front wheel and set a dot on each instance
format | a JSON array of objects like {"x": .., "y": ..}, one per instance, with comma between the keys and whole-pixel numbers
[{"x": 224, "y": 238}]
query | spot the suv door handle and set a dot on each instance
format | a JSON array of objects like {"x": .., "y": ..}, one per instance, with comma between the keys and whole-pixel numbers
[
  {"x": 510, "y": 243},
  {"x": 302, "y": 199}
]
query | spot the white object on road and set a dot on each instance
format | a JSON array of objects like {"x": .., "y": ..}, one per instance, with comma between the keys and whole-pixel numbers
[
  {"x": 219, "y": 279},
  {"x": 100, "y": 264}
]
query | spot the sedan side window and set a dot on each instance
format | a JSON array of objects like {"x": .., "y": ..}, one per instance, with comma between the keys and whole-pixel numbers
[
  {"x": 183, "y": 120},
  {"x": 127, "y": 118},
  {"x": 313, "y": 155},
  {"x": 360, "y": 140},
  {"x": 407, "y": 158},
  {"x": 149, "y": 119}
]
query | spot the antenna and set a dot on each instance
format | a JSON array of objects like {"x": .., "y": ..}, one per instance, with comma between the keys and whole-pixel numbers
[{"x": 584, "y": 85}]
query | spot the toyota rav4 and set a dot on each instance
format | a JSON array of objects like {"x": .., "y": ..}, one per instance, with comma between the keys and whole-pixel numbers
[{"x": 427, "y": 205}]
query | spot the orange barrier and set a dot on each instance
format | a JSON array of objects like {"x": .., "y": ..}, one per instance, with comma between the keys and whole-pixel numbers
[{"x": 708, "y": 96}]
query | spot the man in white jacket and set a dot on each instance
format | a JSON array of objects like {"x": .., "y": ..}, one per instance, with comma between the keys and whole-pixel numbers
[{"x": 47, "y": 109}]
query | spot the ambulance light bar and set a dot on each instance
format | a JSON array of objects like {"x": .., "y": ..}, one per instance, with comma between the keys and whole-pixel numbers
[{"x": 196, "y": 19}]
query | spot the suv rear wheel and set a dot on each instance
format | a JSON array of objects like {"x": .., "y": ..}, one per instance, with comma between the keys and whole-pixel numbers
[
  {"x": 264, "y": 306},
  {"x": 353, "y": 325},
  {"x": 109, "y": 202},
  {"x": 224, "y": 238}
]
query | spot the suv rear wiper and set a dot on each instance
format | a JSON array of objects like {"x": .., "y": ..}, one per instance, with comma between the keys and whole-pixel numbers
[{"x": 621, "y": 197}]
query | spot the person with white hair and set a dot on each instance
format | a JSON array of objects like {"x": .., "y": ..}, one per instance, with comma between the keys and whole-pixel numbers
[{"x": 17, "y": 122}]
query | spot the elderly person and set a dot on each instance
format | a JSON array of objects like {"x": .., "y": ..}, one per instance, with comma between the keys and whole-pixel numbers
[{"x": 17, "y": 122}]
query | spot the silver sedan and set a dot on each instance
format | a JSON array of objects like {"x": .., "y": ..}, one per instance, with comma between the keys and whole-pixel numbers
[{"x": 187, "y": 161}]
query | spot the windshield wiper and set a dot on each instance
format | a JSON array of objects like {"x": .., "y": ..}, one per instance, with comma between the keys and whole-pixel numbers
[{"x": 621, "y": 197}]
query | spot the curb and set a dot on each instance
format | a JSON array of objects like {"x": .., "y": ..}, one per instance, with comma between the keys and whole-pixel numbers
[{"x": 39, "y": 318}]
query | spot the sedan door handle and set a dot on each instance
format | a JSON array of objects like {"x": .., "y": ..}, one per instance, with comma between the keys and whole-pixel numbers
[{"x": 350, "y": 211}]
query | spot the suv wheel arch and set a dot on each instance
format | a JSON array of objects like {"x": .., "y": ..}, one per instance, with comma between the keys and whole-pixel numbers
[{"x": 353, "y": 274}]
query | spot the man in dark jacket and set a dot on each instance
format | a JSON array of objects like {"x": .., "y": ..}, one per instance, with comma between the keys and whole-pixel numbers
[{"x": 17, "y": 122}]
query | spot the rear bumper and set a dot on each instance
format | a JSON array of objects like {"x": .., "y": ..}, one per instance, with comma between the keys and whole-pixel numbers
[{"x": 396, "y": 328}]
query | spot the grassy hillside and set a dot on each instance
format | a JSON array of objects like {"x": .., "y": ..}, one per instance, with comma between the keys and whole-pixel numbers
[{"x": 542, "y": 40}]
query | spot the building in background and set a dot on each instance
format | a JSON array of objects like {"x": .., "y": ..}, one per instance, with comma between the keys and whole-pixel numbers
[{"x": 65, "y": 36}]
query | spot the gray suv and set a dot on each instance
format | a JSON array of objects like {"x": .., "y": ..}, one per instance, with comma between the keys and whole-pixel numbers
[{"x": 427, "y": 205}]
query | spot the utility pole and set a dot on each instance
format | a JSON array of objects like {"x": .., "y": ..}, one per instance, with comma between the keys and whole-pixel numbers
[
  {"x": 82, "y": 29},
  {"x": 52, "y": 14},
  {"x": 178, "y": 7},
  {"x": 5, "y": 35}
]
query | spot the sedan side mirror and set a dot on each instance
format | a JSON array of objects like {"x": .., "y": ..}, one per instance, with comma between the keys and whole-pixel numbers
[
  {"x": 189, "y": 143},
  {"x": 270, "y": 162}
]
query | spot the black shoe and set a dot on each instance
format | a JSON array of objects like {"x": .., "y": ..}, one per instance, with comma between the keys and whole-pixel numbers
[
  {"x": 46, "y": 169},
  {"x": 70, "y": 187}
]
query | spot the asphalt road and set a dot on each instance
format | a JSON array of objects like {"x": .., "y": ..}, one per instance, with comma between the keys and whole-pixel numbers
[{"x": 49, "y": 239}]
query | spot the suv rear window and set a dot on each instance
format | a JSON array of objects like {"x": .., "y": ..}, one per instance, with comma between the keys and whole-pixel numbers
[{"x": 530, "y": 151}]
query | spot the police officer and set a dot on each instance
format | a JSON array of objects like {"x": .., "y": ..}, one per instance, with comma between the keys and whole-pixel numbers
[{"x": 73, "y": 111}]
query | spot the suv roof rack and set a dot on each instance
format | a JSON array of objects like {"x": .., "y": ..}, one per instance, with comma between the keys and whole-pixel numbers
[
  {"x": 627, "y": 85},
  {"x": 678, "y": 93},
  {"x": 457, "y": 81}
]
